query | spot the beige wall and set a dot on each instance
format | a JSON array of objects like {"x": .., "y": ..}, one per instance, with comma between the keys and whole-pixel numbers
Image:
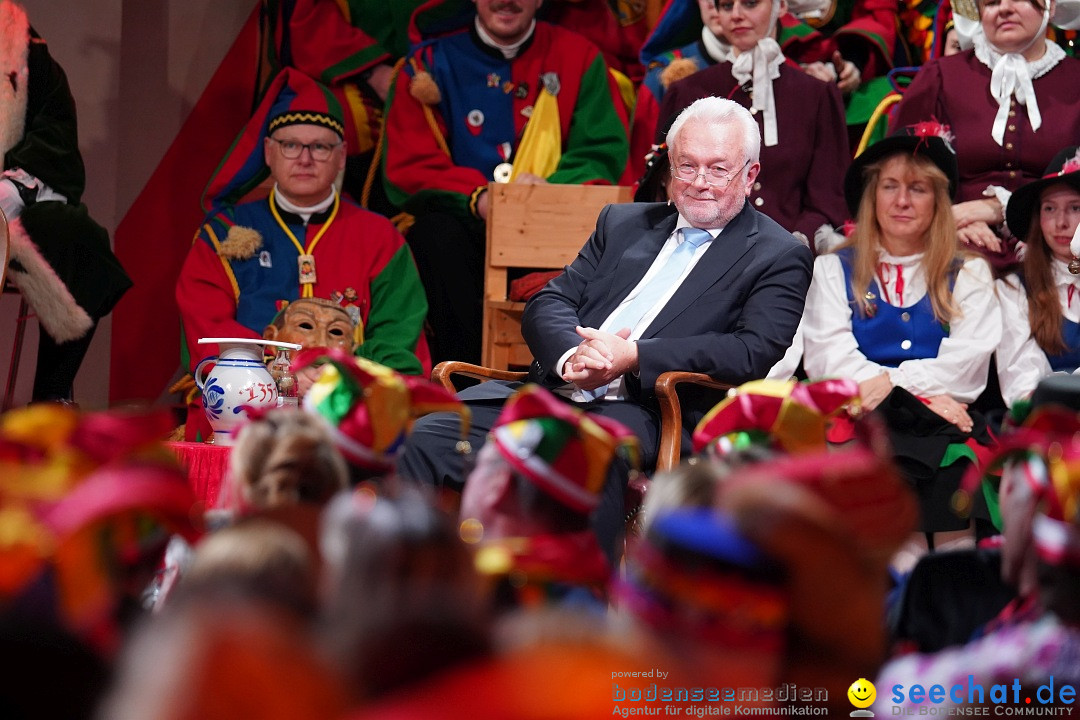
[{"x": 136, "y": 67}]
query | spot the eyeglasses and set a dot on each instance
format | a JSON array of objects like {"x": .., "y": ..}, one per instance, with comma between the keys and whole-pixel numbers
[
  {"x": 727, "y": 6},
  {"x": 290, "y": 149},
  {"x": 714, "y": 175}
]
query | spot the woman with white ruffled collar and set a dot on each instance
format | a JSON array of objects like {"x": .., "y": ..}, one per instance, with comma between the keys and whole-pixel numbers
[
  {"x": 1011, "y": 101},
  {"x": 804, "y": 150},
  {"x": 901, "y": 310},
  {"x": 688, "y": 37},
  {"x": 1041, "y": 307}
]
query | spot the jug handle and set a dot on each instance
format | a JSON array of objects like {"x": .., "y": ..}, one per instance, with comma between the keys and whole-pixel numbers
[{"x": 200, "y": 381}]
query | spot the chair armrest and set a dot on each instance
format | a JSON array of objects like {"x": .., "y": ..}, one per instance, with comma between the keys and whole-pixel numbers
[
  {"x": 444, "y": 371},
  {"x": 671, "y": 412}
]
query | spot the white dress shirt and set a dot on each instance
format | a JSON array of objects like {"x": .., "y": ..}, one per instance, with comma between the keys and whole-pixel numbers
[{"x": 962, "y": 362}]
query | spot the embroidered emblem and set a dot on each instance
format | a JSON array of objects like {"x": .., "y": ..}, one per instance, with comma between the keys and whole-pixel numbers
[
  {"x": 306, "y": 265},
  {"x": 264, "y": 259},
  {"x": 522, "y": 91},
  {"x": 527, "y": 111},
  {"x": 474, "y": 121},
  {"x": 508, "y": 87},
  {"x": 493, "y": 80},
  {"x": 551, "y": 82}
]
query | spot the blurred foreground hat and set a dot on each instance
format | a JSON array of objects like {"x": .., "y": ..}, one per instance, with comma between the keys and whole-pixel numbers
[
  {"x": 292, "y": 98},
  {"x": 369, "y": 407},
  {"x": 86, "y": 497},
  {"x": 1024, "y": 203},
  {"x": 790, "y": 415},
  {"x": 697, "y": 575},
  {"x": 929, "y": 138},
  {"x": 860, "y": 484},
  {"x": 1045, "y": 451},
  {"x": 562, "y": 450}
]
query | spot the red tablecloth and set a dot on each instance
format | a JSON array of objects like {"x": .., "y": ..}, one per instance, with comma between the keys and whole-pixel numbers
[{"x": 206, "y": 467}]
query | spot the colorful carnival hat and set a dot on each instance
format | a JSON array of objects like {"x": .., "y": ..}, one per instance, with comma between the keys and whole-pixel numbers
[
  {"x": 81, "y": 498},
  {"x": 789, "y": 415},
  {"x": 836, "y": 578},
  {"x": 562, "y": 450},
  {"x": 929, "y": 138},
  {"x": 292, "y": 98},
  {"x": 872, "y": 503},
  {"x": 1024, "y": 203},
  {"x": 696, "y": 575},
  {"x": 369, "y": 407},
  {"x": 1045, "y": 452}
]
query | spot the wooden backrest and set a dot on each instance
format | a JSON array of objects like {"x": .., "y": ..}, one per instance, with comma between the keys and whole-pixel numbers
[{"x": 540, "y": 226}]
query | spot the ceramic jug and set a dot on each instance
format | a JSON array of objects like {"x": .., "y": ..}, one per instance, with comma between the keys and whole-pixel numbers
[{"x": 238, "y": 381}]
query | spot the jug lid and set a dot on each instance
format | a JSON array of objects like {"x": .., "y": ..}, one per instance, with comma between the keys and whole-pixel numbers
[{"x": 249, "y": 341}]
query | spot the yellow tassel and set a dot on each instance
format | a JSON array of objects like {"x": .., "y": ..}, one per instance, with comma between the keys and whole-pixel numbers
[
  {"x": 241, "y": 243},
  {"x": 424, "y": 88},
  {"x": 403, "y": 221},
  {"x": 676, "y": 70}
]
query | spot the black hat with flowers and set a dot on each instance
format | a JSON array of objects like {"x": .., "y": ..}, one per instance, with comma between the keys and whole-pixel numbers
[
  {"x": 931, "y": 139},
  {"x": 1064, "y": 168}
]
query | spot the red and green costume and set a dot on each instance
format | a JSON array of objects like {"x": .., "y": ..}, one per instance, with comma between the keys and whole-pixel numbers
[
  {"x": 226, "y": 290},
  {"x": 439, "y": 156}
]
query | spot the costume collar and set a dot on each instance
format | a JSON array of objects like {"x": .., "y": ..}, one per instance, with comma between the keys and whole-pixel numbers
[
  {"x": 509, "y": 52},
  {"x": 761, "y": 66},
  {"x": 905, "y": 260},
  {"x": 714, "y": 47},
  {"x": 295, "y": 214},
  {"x": 1012, "y": 76}
]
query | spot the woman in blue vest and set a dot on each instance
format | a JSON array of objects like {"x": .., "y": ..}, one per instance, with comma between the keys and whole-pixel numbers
[
  {"x": 902, "y": 312},
  {"x": 1041, "y": 306}
]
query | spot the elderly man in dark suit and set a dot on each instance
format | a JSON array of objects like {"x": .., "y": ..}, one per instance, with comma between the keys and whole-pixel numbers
[{"x": 705, "y": 284}]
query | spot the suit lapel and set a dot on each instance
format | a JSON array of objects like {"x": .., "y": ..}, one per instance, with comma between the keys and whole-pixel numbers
[
  {"x": 635, "y": 262},
  {"x": 722, "y": 254}
]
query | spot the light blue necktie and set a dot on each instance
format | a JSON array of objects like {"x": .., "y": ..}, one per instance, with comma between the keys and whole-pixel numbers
[{"x": 653, "y": 290}]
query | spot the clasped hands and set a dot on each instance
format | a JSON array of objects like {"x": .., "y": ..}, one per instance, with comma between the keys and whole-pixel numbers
[
  {"x": 974, "y": 220},
  {"x": 877, "y": 388},
  {"x": 600, "y": 358}
]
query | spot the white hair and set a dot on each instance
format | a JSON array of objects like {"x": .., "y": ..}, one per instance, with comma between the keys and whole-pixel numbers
[{"x": 716, "y": 112}]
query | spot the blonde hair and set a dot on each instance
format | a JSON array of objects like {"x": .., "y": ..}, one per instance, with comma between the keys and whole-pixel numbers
[
  {"x": 942, "y": 248},
  {"x": 259, "y": 557},
  {"x": 297, "y": 443}
]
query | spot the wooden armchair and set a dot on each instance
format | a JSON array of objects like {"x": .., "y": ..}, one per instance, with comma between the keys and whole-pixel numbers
[
  {"x": 537, "y": 227},
  {"x": 667, "y": 387}
]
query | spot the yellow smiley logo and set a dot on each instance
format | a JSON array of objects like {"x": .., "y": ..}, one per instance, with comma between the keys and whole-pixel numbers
[{"x": 862, "y": 693}]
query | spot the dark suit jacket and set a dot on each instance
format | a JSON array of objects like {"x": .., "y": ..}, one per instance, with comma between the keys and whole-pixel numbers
[{"x": 732, "y": 318}]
